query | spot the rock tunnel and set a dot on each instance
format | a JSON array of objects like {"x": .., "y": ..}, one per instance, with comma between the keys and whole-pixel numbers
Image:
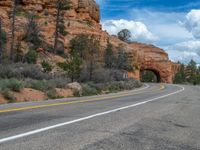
[
  {"x": 152, "y": 58},
  {"x": 150, "y": 75}
]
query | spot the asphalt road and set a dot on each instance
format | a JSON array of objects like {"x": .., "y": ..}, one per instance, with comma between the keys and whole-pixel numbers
[{"x": 155, "y": 117}]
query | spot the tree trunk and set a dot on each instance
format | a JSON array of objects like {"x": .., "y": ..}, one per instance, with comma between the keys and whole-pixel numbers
[
  {"x": 13, "y": 30},
  {"x": 57, "y": 26}
]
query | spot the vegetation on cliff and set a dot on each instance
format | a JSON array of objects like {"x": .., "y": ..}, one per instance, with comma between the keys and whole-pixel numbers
[
  {"x": 188, "y": 74},
  {"x": 32, "y": 64}
]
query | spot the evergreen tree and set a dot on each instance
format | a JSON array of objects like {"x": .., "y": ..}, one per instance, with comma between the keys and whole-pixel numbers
[
  {"x": 124, "y": 35},
  {"x": 109, "y": 58},
  {"x": 92, "y": 55},
  {"x": 3, "y": 40},
  {"x": 1, "y": 47},
  {"x": 122, "y": 60},
  {"x": 72, "y": 66},
  {"x": 180, "y": 77},
  {"x": 19, "y": 55},
  {"x": 13, "y": 16},
  {"x": 33, "y": 32},
  {"x": 87, "y": 49},
  {"x": 192, "y": 67},
  {"x": 61, "y": 6},
  {"x": 79, "y": 44}
]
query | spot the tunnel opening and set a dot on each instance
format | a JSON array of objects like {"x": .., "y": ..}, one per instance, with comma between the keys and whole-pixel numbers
[{"x": 150, "y": 75}]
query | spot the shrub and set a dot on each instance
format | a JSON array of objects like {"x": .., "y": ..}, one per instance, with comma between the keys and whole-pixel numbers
[
  {"x": 117, "y": 75},
  {"x": 11, "y": 84},
  {"x": 52, "y": 94},
  {"x": 87, "y": 90},
  {"x": 9, "y": 96},
  {"x": 102, "y": 75},
  {"x": 84, "y": 75},
  {"x": 46, "y": 66},
  {"x": 21, "y": 71},
  {"x": 31, "y": 57},
  {"x": 45, "y": 85},
  {"x": 42, "y": 85},
  {"x": 15, "y": 85}
]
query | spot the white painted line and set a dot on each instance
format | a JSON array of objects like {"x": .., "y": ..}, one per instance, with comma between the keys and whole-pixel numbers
[{"x": 84, "y": 118}]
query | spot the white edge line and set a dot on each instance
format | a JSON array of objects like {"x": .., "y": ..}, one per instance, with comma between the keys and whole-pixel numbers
[{"x": 85, "y": 118}]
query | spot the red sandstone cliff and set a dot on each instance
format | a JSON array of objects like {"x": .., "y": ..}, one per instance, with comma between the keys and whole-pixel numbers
[{"x": 84, "y": 17}]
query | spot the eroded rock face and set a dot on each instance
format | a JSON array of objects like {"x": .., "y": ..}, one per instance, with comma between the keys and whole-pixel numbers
[
  {"x": 84, "y": 18},
  {"x": 157, "y": 60}
]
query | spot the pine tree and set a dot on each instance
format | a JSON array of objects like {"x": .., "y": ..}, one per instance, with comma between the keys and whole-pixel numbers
[
  {"x": 61, "y": 5},
  {"x": 180, "y": 77},
  {"x": 72, "y": 66},
  {"x": 79, "y": 44},
  {"x": 33, "y": 32},
  {"x": 92, "y": 55},
  {"x": 13, "y": 15},
  {"x": 122, "y": 60},
  {"x": 124, "y": 35},
  {"x": 109, "y": 58},
  {"x": 87, "y": 49},
  {"x": 3, "y": 40},
  {"x": 1, "y": 47}
]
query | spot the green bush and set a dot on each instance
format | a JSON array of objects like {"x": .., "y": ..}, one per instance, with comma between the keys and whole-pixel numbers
[
  {"x": 31, "y": 57},
  {"x": 87, "y": 90},
  {"x": 92, "y": 88},
  {"x": 46, "y": 66},
  {"x": 45, "y": 85},
  {"x": 11, "y": 84},
  {"x": 42, "y": 85},
  {"x": 9, "y": 96},
  {"x": 15, "y": 85},
  {"x": 22, "y": 71},
  {"x": 52, "y": 94}
]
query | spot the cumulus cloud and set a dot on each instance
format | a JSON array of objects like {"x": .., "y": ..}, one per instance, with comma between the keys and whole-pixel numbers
[
  {"x": 183, "y": 56},
  {"x": 138, "y": 29},
  {"x": 192, "y": 23},
  {"x": 190, "y": 46},
  {"x": 189, "y": 49},
  {"x": 185, "y": 51}
]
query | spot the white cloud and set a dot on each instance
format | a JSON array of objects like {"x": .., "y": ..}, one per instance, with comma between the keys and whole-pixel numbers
[
  {"x": 190, "y": 46},
  {"x": 185, "y": 51},
  {"x": 192, "y": 23},
  {"x": 183, "y": 56},
  {"x": 138, "y": 29},
  {"x": 163, "y": 24}
]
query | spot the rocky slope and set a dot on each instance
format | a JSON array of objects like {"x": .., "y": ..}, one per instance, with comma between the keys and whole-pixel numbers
[{"x": 84, "y": 17}]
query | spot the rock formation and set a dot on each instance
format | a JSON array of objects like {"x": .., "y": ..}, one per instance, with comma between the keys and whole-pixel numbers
[{"x": 84, "y": 18}]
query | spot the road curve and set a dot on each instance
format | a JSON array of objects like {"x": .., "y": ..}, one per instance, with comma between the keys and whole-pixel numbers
[{"x": 156, "y": 116}]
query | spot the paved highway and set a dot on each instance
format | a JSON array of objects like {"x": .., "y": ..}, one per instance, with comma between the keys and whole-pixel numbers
[{"x": 154, "y": 117}]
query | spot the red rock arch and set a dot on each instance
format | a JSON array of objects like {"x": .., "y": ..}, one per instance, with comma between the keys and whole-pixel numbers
[{"x": 155, "y": 59}]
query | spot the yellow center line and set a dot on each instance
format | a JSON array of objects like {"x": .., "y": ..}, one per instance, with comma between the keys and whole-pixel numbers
[{"x": 73, "y": 102}]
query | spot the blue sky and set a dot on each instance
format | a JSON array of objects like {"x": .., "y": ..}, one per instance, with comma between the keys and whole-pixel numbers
[{"x": 170, "y": 24}]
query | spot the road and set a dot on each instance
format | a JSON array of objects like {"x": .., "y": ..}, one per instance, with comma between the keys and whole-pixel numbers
[{"x": 154, "y": 117}]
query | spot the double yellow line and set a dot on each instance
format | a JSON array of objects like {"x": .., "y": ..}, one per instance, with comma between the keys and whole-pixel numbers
[{"x": 71, "y": 102}]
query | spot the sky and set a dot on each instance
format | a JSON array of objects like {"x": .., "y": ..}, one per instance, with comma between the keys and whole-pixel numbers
[{"x": 173, "y": 25}]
